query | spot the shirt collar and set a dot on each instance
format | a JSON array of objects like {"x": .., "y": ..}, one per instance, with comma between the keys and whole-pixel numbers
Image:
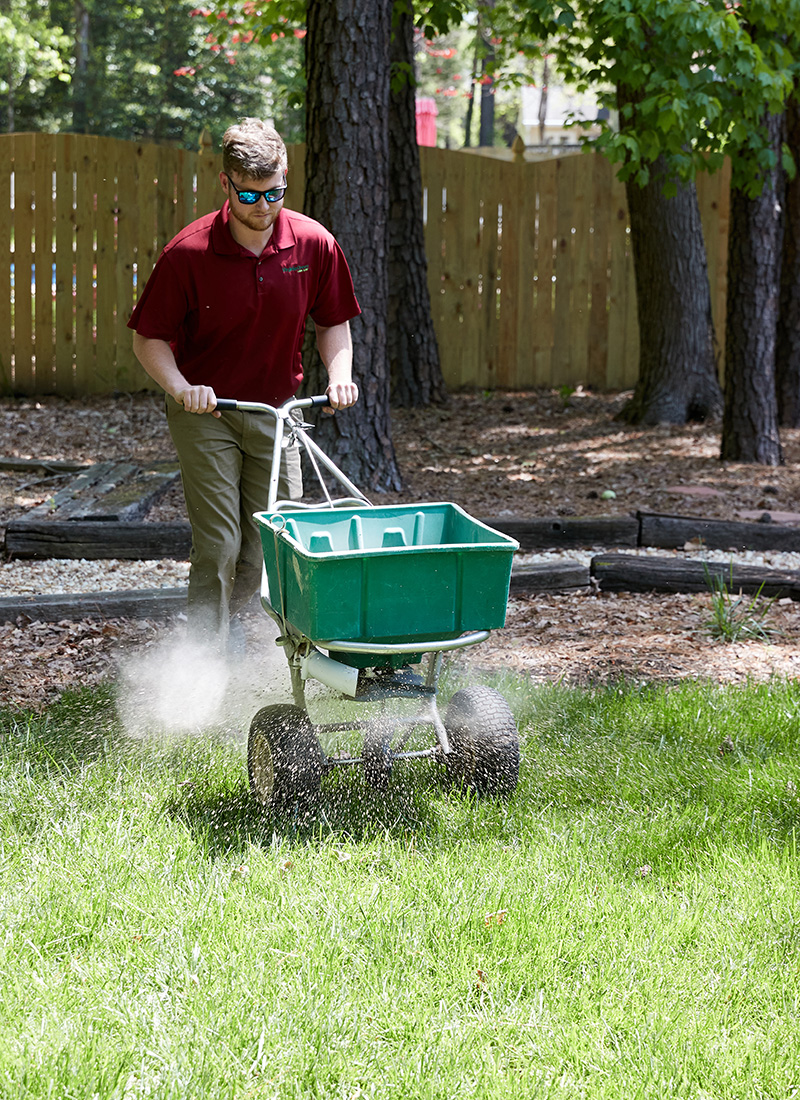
[{"x": 223, "y": 242}]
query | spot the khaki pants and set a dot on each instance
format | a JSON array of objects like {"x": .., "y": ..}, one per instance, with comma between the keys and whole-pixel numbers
[{"x": 225, "y": 466}]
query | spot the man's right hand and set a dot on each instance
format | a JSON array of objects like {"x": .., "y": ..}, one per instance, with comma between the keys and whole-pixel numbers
[{"x": 198, "y": 399}]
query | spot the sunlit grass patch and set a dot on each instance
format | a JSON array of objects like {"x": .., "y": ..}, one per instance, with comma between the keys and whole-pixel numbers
[{"x": 625, "y": 925}]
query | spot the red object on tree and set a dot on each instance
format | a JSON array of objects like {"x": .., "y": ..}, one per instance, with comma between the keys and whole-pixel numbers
[{"x": 426, "y": 120}]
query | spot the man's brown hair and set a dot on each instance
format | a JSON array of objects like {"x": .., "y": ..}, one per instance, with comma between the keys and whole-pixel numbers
[{"x": 254, "y": 149}]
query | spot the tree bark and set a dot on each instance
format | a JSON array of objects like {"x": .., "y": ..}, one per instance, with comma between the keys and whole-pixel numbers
[
  {"x": 486, "y": 127},
  {"x": 347, "y": 189},
  {"x": 750, "y": 419},
  {"x": 80, "y": 81},
  {"x": 416, "y": 372},
  {"x": 787, "y": 354},
  {"x": 677, "y": 359}
]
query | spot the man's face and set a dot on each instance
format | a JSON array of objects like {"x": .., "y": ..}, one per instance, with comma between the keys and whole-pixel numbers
[{"x": 260, "y": 216}]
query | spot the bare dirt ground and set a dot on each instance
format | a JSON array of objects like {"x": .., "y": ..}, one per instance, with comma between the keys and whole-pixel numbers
[{"x": 500, "y": 454}]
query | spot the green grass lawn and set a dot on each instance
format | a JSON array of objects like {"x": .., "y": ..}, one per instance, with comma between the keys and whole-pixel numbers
[{"x": 626, "y": 926}]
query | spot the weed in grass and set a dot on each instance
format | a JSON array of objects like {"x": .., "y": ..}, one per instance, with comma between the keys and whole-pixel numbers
[{"x": 734, "y": 617}]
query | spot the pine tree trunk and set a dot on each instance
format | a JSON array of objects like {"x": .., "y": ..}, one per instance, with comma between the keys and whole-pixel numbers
[
  {"x": 750, "y": 420},
  {"x": 787, "y": 355},
  {"x": 677, "y": 359},
  {"x": 80, "y": 79},
  {"x": 413, "y": 351},
  {"x": 347, "y": 189}
]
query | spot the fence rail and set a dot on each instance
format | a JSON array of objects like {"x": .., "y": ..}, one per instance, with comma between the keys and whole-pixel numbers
[{"x": 530, "y": 265}]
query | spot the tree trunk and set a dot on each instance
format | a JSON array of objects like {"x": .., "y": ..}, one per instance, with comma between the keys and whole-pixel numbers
[
  {"x": 486, "y": 127},
  {"x": 750, "y": 420},
  {"x": 471, "y": 99},
  {"x": 787, "y": 355},
  {"x": 80, "y": 81},
  {"x": 347, "y": 189},
  {"x": 413, "y": 352},
  {"x": 677, "y": 360}
]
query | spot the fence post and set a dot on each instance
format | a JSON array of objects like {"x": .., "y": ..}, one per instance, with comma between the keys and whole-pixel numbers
[{"x": 208, "y": 194}]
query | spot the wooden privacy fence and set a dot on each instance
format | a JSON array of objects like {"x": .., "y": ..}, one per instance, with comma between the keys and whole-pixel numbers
[{"x": 530, "y": 266}]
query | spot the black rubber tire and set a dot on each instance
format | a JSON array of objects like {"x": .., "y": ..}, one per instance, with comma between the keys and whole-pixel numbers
[
  {"x": 284, "y": 758},
  {"x": 377, "y": 756},
  {"x": 484, "y": 742}
]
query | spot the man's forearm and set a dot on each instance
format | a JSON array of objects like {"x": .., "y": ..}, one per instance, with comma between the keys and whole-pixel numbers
[
  {"x": 158, "y": 360},
  {"x": 336, "y": 351}
]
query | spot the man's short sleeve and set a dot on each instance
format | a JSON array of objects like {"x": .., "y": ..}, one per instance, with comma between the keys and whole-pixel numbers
[
  {"x": 335, "y": 301},
  {"x": 162, "y": 307}
]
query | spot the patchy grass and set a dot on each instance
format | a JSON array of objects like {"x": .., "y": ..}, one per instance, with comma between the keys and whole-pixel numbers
[{"x": 626, "y": 926}]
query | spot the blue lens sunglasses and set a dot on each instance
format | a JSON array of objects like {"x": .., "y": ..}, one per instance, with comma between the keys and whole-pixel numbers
[{"x": 250, "y": 198}]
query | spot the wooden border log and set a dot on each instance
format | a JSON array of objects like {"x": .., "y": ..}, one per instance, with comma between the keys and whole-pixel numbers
[
  {"x": 673, "y": 532},
  {"x": 43, "y": 465},
  {"x": 645, "y": 573},
  {"x": 94, "y": 540},
  {"x": 151, "y": 603},
  {"x": 575, "y": 531},
  {"x": 549, "y": 577}
]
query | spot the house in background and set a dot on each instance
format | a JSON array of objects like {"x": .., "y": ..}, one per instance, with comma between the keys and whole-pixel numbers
[{"x": 545, "y": 111}]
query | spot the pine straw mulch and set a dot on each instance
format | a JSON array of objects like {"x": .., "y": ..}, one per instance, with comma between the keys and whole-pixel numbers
[{"x": 523, "y": 454}]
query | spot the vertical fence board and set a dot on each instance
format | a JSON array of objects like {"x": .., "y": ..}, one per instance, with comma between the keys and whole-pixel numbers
[
  {"x": 146, "y": 250},
  {"x": 6, "y": 260},
  {"x": 295, "y": 177},
  {"x": 106, "y": 266},
  {"x": 165, "y": 198},
  {"x": 462, "y": 268},
  {"x": 65, "y": 265},
  {"x": 433, "y": 183},
  {"x": 508, "y": 296},
  {"x": 44, "y": 232},
  {"x": 85, "y": 200},
  {"x": 597, "y": 355},
  {"x": 491, "y": 291},
  {"x": 580, "y": 274},
  {"x": 543, "y": 333},
  {"x": 24, "y": 372},
  {"x": 564, "y": 263},
  {"x": 186, "y": 175},
  {"x": 209, "y": 193},
  {"x": 128, "y": 374},
  {"x": 518, "y": 370},
  {"x": 530, "y": 268}
]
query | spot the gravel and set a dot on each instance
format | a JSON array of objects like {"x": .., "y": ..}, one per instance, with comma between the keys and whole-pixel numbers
[
  {"x": 770, "y": 559},
  {"x": 22, "y": 577},
  {"x": 18, "y": 578}
]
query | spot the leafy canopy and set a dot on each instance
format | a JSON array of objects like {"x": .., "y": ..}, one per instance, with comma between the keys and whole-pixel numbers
[{"x": 691, "y": 81}]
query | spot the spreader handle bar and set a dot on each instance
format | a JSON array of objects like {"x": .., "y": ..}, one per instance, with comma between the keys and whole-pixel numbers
[
  {"x": 229, "y": 404},
  {"x": 282, "y": 416}
]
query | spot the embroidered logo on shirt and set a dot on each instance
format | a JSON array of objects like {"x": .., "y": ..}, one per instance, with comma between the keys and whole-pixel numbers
[{"x": 295, "y": 269}]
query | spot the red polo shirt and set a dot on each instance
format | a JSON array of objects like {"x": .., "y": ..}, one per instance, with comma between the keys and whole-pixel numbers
[{"x": 236, "y": 321}]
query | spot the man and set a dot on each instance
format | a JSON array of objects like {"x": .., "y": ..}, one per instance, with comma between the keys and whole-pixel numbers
[{"x": 223, "y": 315}]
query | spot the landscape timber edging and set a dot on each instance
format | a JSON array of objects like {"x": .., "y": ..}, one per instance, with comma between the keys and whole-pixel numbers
[{"x": 100, "y": 539}]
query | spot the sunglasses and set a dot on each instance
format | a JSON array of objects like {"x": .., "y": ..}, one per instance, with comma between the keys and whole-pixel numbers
[{"x": 250, "y": 198}]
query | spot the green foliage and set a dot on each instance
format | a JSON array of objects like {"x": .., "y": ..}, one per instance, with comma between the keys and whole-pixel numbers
[
  {"x": 690, "y": 82},
  {"x": 32, "y": 52},
  {"x": 147, "y": 70}
]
